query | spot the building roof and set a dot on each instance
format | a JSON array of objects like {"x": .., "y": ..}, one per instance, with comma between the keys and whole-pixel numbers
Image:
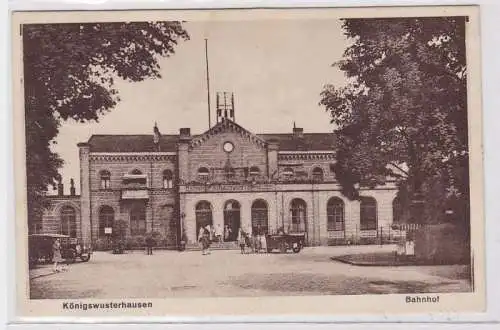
[
  {"x": 309, "y": 141},
  {"x": 131, "y": 143},
  {"x": 168, "y": 143}
]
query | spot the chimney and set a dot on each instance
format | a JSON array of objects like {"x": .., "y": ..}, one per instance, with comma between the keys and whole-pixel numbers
[
  {"x": 298, "y": 132},
  {"x": 156, "y": 137},
  {"x": 72, "y": 190},
  {"x": 60, "y": 188},
  {"x": 185, "y": 134}
]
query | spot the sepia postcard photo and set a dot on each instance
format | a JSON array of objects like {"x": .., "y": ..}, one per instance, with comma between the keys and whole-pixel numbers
[{"x": 248, "y": 162}]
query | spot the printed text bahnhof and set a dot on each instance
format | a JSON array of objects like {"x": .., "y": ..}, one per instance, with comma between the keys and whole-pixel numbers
[{"x": 422, "y": 299}]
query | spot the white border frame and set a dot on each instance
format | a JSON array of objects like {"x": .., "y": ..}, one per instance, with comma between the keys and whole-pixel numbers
[{"x": 489, "y": 11}]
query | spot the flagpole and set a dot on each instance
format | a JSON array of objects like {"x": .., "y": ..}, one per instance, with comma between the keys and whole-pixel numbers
[{"x": 208, "y": 84}]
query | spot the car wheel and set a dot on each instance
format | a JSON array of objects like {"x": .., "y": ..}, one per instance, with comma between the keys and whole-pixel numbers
[
  {"x": 296, "y": 249},
  {"x": 85, "y": 258},
  {"x": 269, "y": 250}
]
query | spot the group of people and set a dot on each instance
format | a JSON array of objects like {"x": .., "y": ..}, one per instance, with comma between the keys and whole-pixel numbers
[
  {"x": 216, "y": 233},
  {"x": 208, "y": 234},
  {"x": 256, "y": 243}
]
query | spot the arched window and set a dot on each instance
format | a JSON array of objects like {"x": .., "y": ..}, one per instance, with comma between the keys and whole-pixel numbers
[
  {"x": 168, "y": 182},
  {"x": 317, "y": 174},
  {"x": 105, "y": 179},
  {"x": 299, "y": 215},
  {"x": 203, "y": 215},
  {"x": 68, "y": 221},
  {"x": 287, "y": 172},
  {"x": 260, "y": 216},
  {"x": 368, "y": 214},
  {"x": 203, "y": 174},
  {"x": 138, "y": 220},
  {"x": 136, "y": 172},
  {"x": 335, "y": 214},
  {"x": 106, "y": 219},
  {"x": 397, "y": 210}
]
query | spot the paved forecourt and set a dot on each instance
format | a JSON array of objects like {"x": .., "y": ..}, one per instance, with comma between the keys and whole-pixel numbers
[{"x": 228, "y": 273}]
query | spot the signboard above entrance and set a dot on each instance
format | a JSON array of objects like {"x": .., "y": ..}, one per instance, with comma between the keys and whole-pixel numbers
[{"x": 135, "y": 194}]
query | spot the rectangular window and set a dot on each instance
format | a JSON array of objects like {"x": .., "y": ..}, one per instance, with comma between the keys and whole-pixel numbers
[{"x": 105, "y": 183}]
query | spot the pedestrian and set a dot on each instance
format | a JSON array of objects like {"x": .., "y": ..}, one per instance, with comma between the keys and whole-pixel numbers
[
  {"x": 211, "y": 233},
  {"x": 56, "y": 255},
  {"x": 201, "y": 233},
  {"x": 262, "y": 238},
  {"x": 205, "y": 240},
  {"x": 218, "y": 233},
  {"x": 149, "y": 245},
  {"x": 227, "y": 233},
  {"x": 242, "y": 240}
]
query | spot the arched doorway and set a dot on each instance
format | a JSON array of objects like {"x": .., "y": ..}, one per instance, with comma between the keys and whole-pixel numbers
[
  {"x": 231, "y": 220},
  {"x": 203, "y": 215},
  {"x": 298, "y": 213},
  {"x": 260, "y": 216}
]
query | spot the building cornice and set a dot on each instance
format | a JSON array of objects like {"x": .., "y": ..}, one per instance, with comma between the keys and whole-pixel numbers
[
  {"x": 135, "y": 156},
  {"x": 313, "y": 155},
  {"x": 306, "y": 152},
  {"x": 159, "y": 153}
]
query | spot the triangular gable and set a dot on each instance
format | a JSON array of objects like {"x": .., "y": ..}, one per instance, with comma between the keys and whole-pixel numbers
[{"x": 224, "y": 126}]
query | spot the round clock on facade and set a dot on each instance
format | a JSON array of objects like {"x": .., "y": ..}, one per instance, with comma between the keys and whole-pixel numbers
[{"x": 228, "y": 147}]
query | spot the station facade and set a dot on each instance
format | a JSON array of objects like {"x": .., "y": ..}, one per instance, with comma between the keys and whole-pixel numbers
[{"x": 226, "y": 177}]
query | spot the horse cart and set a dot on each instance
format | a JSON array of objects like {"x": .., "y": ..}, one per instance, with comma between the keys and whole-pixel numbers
[{"x": 286, "y": 242}]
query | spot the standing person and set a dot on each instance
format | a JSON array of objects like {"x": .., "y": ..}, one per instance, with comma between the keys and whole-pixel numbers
[
  {"x": 242, "y": 240},
  {"x": 258, "y": 237},
  {"x": 218, "y": 233},
  {"x": 201, "y": 233},
  {"x": 227, "y": 233},
  {"x": 263, "y": 241},
  {"x": 205, "y": 237},
  {"x": 149, "y": 245},
  {"x": 208, "y": 235},
  {"x": 211, "y": 231},
  {"x": 56, "y": 255}
]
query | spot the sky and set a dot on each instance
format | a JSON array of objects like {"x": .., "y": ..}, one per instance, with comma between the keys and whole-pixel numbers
[{"x": 275, "y": 68}]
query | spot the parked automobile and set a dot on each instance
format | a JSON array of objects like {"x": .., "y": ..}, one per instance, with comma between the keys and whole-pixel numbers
[
  {"x": 40, "y": 248},
  {"x": 284, "y": 242}
]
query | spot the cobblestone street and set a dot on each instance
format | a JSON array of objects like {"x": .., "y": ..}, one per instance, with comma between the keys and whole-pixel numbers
[{"x": 228, "y": 273}]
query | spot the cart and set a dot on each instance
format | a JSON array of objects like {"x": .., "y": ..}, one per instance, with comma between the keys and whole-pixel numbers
[
  {"x": 40, "y": 248},
  {"x": 285, "y": 242}
]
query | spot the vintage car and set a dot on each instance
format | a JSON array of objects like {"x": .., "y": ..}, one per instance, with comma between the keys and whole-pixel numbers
[
  {"x": 284, "y": 242},
  {"x": 40, "y": 248}
]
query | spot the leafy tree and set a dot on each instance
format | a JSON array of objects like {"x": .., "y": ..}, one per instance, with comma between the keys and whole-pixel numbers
[
  {"x": 69, "y": 72},
  {"x": 403, "y": 112}
]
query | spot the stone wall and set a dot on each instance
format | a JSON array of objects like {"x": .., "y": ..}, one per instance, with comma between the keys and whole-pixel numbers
[
  {"x": 279, "y": 209},
  {"x": 210, "y": 154},
  {"x": 51, "y": 219}
]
